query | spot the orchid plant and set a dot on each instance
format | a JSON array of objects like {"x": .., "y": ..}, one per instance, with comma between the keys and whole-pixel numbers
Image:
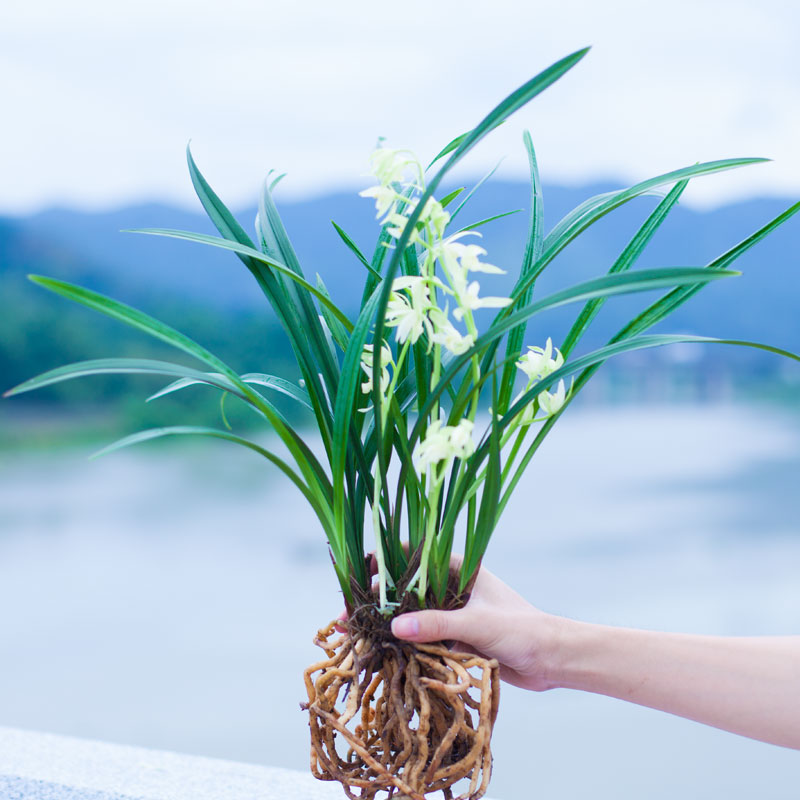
[{"x": 405, "y": 385}]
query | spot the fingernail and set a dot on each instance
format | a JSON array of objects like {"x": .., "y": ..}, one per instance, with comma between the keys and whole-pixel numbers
[{"x": 405, "y": 627}]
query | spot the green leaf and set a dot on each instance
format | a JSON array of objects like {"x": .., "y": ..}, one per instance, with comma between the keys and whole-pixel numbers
[
  {"x": 448, "y": 198},
  {"x": 134, "y": 318},
  {"x": 306, "y": 460},
  {"x": 475, "y": 188},
  {"x": 447, "y": 149},
  {"x": 351, "y": 245},
  {"x": 277, "y": 245},
  {"x": 533, "y": 251},
  {"x": 120, "y": 366},
  {"x": 223, "y": 220},
  {"x": 606, "y": 286},
  {"x": 275, "y": 292},
  {"x": 667, "y": 304},
  {"x": 280, "y": 385},
  {"x": 626, "y": 259},
  {"x": 337, "y": 330},
  {"x": 345, "y": 406},
  {"x": 316, "y": 500},
  {"x": 487, "y": 515},
  {"x": 483, "y": 222},
  {"x": 255, "y": 255},
  {"x": 591, "y": 362},
  {"x": 595, "y": 208}
]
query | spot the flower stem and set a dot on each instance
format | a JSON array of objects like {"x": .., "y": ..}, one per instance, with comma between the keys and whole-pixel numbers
[
  {"x": 430, "y": 533},
  {"x": 376, "y": 513},
  {"x": 379, "y": 554}
]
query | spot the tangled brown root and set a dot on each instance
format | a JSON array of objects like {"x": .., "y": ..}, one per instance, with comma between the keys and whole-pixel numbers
[{"x": 396, "y": 717}]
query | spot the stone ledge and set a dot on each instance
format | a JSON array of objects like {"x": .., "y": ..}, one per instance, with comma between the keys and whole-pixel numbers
[{"x": 45, "y": 766}]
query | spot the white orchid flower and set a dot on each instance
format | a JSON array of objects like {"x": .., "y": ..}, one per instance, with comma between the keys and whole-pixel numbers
[
  {"x": 432, "y": 213},
  {"x": 539, "y": 362},
  {"x": 460, "y": 437},
  {"x": 398, "y": 222},
  {"x": 409, "y": 313},
  {"x": 447, "y": 335},
  {"x": 443, "y": 444},
  {"x": 385, "y": 199},
  {"x": 456, "y": 256},
  {"x": 552, "y": 402},
  {"x": 468, "y": 300},
  {"x": 389, "y": 165},
  {"x": 526, "y": 417},
  {"x": 367, "y": 363}
]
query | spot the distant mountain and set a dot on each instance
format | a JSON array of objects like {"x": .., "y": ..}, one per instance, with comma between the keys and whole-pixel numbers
[{"x": 88, "y": 248}]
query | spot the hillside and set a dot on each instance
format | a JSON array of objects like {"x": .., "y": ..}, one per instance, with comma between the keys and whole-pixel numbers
[{"x": 209, "y": 293}]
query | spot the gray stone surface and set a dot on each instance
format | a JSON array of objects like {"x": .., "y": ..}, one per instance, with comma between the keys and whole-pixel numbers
[{"x": 44, "y": 766}]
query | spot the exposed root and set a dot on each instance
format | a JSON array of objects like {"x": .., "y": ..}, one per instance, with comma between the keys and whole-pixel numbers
[{"x": 401, "y": 715}]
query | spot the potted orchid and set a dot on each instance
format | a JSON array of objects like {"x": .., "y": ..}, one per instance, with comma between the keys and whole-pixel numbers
[{"x": 427, "y": 424}]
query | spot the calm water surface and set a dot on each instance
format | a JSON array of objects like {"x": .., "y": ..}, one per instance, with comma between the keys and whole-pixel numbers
[{"x": 167, "y": 596}]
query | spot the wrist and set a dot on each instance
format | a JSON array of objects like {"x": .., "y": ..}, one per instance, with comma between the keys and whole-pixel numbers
[
  {"x": 567, "y": 661},
  {"x": 551, "y": 642}
]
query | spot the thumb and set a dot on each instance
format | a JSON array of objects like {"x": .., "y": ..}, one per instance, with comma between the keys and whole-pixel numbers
[{"x": 431, "y": 626}]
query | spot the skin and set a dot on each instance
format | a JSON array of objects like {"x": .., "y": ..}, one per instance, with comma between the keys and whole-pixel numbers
[{"x": 746, "y": 685}]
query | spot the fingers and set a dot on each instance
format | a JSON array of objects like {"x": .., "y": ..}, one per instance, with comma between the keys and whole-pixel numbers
[
  {"x": 341, "y": 621},
  {"x": 432, "y": 626}
]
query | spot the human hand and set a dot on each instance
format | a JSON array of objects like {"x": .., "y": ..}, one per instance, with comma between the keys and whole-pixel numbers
[{"x": 496, "y": 623}]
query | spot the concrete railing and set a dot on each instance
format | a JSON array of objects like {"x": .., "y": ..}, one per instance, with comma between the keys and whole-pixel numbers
[{"x": 43, "y": 766}]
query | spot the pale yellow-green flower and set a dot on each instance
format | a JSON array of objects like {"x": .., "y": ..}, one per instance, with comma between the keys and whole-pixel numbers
[
  {"x": 367, "y": 363},
  {"x": 443, "y": 444},
  {"x": 539, "y": 362},
  {"x": 468, "y": 300},
  {"x": 449, "y": 337},
  {"x": 552, "y": 402},
  {"x": 432, "y": 214},
  {"x": 385, "y": 198},
  {"x": 408, "y": 313},
  {"x": 457, "y": 257},
  {"x": 389, "y": 165}
]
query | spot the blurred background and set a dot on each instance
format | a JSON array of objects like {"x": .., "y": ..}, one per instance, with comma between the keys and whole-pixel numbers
[{"x": 167, "y": 596}]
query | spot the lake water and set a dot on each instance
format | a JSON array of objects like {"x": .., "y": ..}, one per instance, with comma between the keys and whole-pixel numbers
[{"x": 167, "y": 596}]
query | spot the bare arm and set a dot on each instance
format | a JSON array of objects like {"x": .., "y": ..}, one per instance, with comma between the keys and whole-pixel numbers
[{"x": 747, "y": 685}]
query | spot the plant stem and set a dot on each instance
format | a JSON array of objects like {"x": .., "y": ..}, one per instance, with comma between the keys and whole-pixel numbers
[
  {"x": 380, "y": 556},
  {"x": 430, "y": 532},
  {"x": 476, "y": 366}
]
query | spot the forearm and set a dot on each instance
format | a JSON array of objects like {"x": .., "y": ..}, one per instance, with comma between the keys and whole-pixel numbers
[{"x": 747, "y": 685}]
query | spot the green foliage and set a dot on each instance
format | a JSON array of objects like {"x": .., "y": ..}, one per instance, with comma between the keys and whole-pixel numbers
[{"x": 370, "y": 417}]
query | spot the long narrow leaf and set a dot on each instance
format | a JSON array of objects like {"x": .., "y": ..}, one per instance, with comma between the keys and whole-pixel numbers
[
  {"x": 482, "y": 222},
  {"x": 475, "y": 188},
  {"x": 625, "y": 261},
  {"x": 338, "y": 331},
  {"x": 274, "y": 291},
  {"x": 120, "y": 366},
  {"x": 579, "y": 220},
  {"x": 533, "y": 251},
  {"x": 351, "y": 245},
  {"x": 315, "y": 500},
  {"x": 255, "y": 255},
  {"x": 277, "y": 244},
  {"x": 667, "y": 304},
  {"x": 274, "y": 382}
]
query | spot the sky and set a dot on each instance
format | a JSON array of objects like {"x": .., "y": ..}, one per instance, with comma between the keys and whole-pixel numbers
[{"x": 100, "y": 98}]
